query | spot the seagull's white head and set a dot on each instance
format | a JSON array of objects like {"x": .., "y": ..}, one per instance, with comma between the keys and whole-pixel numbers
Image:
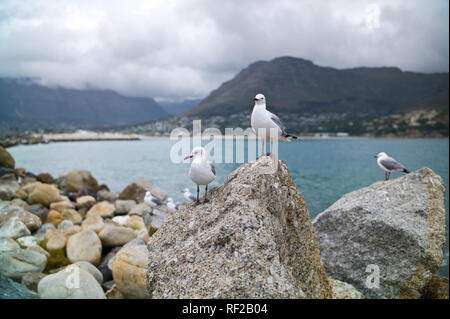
[
  {"x": 170, "y": 200},
  {"x": 198, "y": 152},
  {"x": 148, "y": 196},
  {"x": 259, "y": 99},
  {"x": 380, "y": 155}
]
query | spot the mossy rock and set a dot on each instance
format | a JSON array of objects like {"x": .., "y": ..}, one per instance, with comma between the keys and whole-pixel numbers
[{"x": 57, "y": 259}]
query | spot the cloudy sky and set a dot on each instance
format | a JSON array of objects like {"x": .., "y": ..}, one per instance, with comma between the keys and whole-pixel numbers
[{"x": 173, "y": 50}]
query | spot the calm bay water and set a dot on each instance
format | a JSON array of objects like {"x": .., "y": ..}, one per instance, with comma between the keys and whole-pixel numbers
[{"x": 323, "y": 169}]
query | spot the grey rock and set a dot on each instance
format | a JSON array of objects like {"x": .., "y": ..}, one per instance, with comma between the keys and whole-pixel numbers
[
  {"x": 137, "y": 189},
  {"x": 112, "y": 235},
  {"x": 44, "y": 228},
  {"x": 134, "y": 242},
  {"x": 14, "y": 229},
  {"x": 154, "y": 220},
  {"x": 7, "y": 244},
  {"x": 395, "y": 227},
  {"x": 253, "y": 240},
  {"x": 40, "y": 211},
  {"x": 10, "y": 289},
  {"x": 73, "y": 282},
  {"x": 342, "y": 290},
  {"x": 15, "y": 263},
  {"x": 90, "y": 268},
  {"x": 13, "y": 211},
  {"x": 65, "y": 224},
  {"x": 31, "y": 280},
  {"x": 8, "y": 186},
  {"x": 140, "y": 210},
  {"x": 124, "y": 206},
  {"x": 105, "y": 266}
]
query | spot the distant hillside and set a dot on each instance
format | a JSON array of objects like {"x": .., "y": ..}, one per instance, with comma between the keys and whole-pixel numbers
[
  {"x": 294, "y": 85},
  {"x": 175, "y": 108},
  {"x": 24, "y": 103}
]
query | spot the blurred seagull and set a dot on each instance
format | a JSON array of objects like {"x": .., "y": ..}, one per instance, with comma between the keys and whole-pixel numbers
[
  {"x": 151, "y": 200},
  {"x": 188, "y": 195},
  {"x": 171, "y": 207},
  {"x": 389, "y": 164},
  {"x": 202, "y": 171},
  {"x": 262, "y": 121}
]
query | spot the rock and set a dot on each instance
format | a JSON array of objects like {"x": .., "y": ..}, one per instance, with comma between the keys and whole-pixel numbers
[
  {"x": 72, "y": 215},
  {"x": 141, "y": 210},
  {"x": 27, "y": 241},
  {"x": 65, "y": 224},
  {"x": 73, "y": 282},
  {"x": 103, "y": 187},
  {"x": 44, "y": 194},
  {"x": 253, "y": 240},
  {"x": 144, "y": 235},
  {"x": 28, "y": 188},
  {"x": 108, "y": 285},
  {"x": 71, "y": 230},
  {"x": 85, "y": 202},
  {"x": 6, "y": 160},
  {"x": 14, "y": 229},
  {"x": 20, "y": 203},
  {"x": 107, "y": 196},
  {"x": 15, "y": 263},
  {"x": 13, "y": 290},
  {"x": 129, "y": 268},
  {"x": 8, "y": 186},
  {"x": 135, "y": 222},
  {"x": 6, "y": 171},
  {"x": 7, "y": 244},
  {"x": 134, "y": 242},
  {"x": 436, "y": 288},
  {"x": 342, "y": 290},
  {"x": 106, "y": 264},
  {"x": 84, "y": 246},
  {"x": 114, "y": 293},
  {"x": 54, "y": 217},
  {"x": 90, "y": 268},
  {"x": 16, "y": 212},
  {"x": 121, "y": 220},
  {"x": 56, "y": 241},
  {"x": 94, "y": 223},
  {"x": 46, "y": 178},
  {"x": 137, "y": 189},
  {"x": 40, "y": 250},
  {"x": 124, "y": 206},
  {"x": 78, "y": 180},
  {"x": 112, "y": 236},
  {"x": 62, "y": 205},
  {"x": 154, "y": 220},
  {"x": 44, "y": 228},
  {"x": 103, "y": 209},
  {"x": 40, "y": 211},
  {"x": 393, "y": 229},
  {"x": 31, "y": 280}
]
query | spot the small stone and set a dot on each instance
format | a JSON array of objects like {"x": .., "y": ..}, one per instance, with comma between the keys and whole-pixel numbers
[
  {"x": 107, "y": 196},
  {"x": 85, "y": 202},
  {"x": 72, "y": 215},
  {"x": 27, "y": 241},
  {"x": 54, "y": 217},
  {"x": 112, "y": 236},
  {"x": 56, "y": 241},
  {"x": 65, "y": 224},
  {"x": 46, "y": 178},
  {"x": 136, "y": 222},
  {"x": 40, "y": 211},
  {"x": 14, "y": 229},
  {"x": 61, "y": 205},
  {"x": 44, "y": 194},
  {"x": 31, "y": 280},
  {"x": 124, "y": 206},
  {"x": 94, "y": 223},
  {"x": 92, "y": 270},
  {"x": 84, "y": 246},
  {"x": 103, "y": 209}
]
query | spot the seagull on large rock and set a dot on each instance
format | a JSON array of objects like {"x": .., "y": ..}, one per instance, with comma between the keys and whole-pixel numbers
[
  {"x": 202, "y": 171},
  {"x": 263, "y": 121},
  {"x": 151, "y": 201},
  {"x": 389, "y": 165}
]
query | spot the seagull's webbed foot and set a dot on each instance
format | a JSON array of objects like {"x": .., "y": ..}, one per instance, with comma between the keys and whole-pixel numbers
[
  {"x": 196, "y": 203},
  {"x": 268, "y": 154},
  {"x": 206, "y": 201}
]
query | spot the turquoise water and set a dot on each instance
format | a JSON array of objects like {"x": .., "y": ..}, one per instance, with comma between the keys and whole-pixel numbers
[{"x": 323, "y": 169}]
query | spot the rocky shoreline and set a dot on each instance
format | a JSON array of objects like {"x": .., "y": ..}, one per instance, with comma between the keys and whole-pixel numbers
[{"x": 69, "y": 237}]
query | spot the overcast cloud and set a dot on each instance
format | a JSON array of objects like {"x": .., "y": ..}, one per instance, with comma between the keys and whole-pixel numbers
[{"x": 184, "y": 49}]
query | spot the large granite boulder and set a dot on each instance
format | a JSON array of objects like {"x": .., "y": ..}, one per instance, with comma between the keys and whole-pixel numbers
[
  {"x": 8, "y": 186},
  {"x": 386, "y": 239},
  {"x": 254, "y": 239},
  {"x": 78, "y": 180},
  {"x": 137, "y": 190},
  {"x": 15, "y": 263},
  {"x": 10, "y": 289},
  {"x": 19, "y": 213}
]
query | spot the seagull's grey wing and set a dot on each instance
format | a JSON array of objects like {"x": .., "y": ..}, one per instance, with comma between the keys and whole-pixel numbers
[
  {"x": 156, "y": 201},
  {"x": 278, "y": 122},
  {"x": 391, "y": 164},
  {"x": 192, "y": 198},
  {"x": 213, "y": 169}
]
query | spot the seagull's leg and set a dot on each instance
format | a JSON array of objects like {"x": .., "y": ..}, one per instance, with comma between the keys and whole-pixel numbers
[
  {"x": 198, "y": 192},
  {"x": 206, "y": 194},
  {"x": 388, "y": 175},
  {"x": 262, "y": 145},
  {"x": 270, "y": 151}
]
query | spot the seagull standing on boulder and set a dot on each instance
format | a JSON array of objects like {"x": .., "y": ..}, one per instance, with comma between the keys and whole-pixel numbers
[
  {"x": 389, "y": 164},
  {"x": 151, "y": 200},
  {"x": 263, "y": 121},
  {"x": 202, "y": 171}
]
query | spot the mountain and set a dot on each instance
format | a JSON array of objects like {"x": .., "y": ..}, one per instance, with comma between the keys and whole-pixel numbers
[
  {"x": 298, "y": 86},
  {"x": 175, "y": 108},
  {"x": 25, "y": 103}
]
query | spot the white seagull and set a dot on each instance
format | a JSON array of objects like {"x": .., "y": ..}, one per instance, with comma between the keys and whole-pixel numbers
[
  {"x": 151, "y": 200},
  {"x": 202, "y": 171},
  {"x": 389, "y": 164},
  {"x": 188, "y": 195},
  {"x": 263, "y": 121},
  {"x": 171, "y": 207}
]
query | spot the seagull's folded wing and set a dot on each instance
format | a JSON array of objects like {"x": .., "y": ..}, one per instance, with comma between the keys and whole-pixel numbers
[
  {"x": 278, "y": 122},
  {"x": 391, "y": 164}
]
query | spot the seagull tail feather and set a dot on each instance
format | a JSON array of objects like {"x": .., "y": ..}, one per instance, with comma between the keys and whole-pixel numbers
[
  {"x": 406, "y": 171},
  {"x": 288, "y": 137}
]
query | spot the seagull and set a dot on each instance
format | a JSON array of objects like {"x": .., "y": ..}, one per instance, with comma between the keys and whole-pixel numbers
[
  {"x": 188, "y": 195},
  {"x": 171, "y": 207},
  {"x": 151, "y": 200},
  {"x": 202, "y": 171},
  {"x": 263, "y": 121},
  {"x": 389, "y": 164}
]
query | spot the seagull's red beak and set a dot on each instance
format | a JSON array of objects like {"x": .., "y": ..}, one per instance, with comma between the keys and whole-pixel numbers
[
  {"x": 255, "y": 99},
  {"x": 189, "y": 156}
]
